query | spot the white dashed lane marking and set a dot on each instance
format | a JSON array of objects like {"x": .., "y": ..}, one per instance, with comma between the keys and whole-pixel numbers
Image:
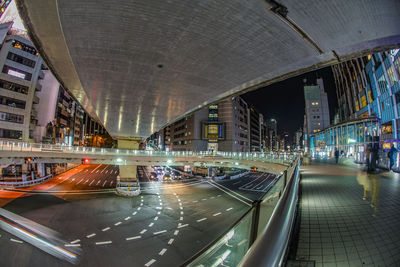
[
  {"x": 170, "y": 241},
  {"x": 91, "y": 235},
  {"x": 229, "y": 209},
  {"x": 200, "y": 220},
  {"x": 143, "y": 231},
  {"x": 98, "y": 182},
  {"x": 104, "y": 183},
  {"x": 127, "y": 218},
  {"x": 103, "y": 242},
  {"x": 75, "y": 241},
  {"x": 118, "y": 223},
  {"x": 133, "y": 237},
  {"x": 156, "y": 218},
  {"x": 134, "y": 213},
  {"x": 183, "y": 225},
  {"x": 72, "y": 245},
  {"x": 151, "y": 224},
  {"x": 176, "y": 232},
  {"x": 162, "y": 251},
  {"x": 181, "y": 218},
  {"x": 91, "y": 182},
  {"x": 150, "y": 262},
  {"x": 106, "y": 229},
  {"x": 16, "y": 241},
  {"x": 159, "y": 232},
  {"x": 216, "y": 214}
]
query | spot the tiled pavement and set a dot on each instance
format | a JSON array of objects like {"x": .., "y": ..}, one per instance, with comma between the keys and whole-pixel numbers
[{"x": 348, "y": 217}]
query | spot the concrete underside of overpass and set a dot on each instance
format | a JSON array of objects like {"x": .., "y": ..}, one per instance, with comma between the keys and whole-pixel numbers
[{"x": 137, "y": 65}]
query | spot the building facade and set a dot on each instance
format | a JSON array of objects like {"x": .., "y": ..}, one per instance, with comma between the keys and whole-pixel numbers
[{"x": 19, "y": 83}]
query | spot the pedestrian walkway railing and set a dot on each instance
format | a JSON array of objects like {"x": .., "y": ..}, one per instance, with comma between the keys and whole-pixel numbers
[
  {"x": 280, "y": 158},
  {"x": 261, "y": 236},
  {"x": 26, "y": 183}
]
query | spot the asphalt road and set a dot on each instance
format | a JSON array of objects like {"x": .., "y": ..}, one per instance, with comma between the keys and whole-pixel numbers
[{"x": 167, "y": 224}]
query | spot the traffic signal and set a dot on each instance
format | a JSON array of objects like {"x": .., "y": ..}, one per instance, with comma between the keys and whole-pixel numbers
[
  {"x": 28, "y": 160},
  {"x": 254, "y": 169},
  {"x": 85, "y": 161}
]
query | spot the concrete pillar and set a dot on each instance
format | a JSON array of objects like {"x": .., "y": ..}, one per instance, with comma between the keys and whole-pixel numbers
[{"x": 128, "y": 173}]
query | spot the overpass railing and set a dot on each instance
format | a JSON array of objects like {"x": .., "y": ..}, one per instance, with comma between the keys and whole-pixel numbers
[
  {"x": 25, "y": 183},
  {"x": 265, "y": 229},
  {"x": 284, "y": 158}
]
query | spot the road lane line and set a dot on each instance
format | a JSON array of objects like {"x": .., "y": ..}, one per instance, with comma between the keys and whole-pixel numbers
[
  {"x": 106, "y": 171},
  {"x": 229, "y": 209},
  {"x": 200, "y": 220},
  {"x": 195, "y": 201},
  {"x": 91, "y": 235},
  {"x": 216, "y": 214},
  {"x": 170, "y": 241},
  {"x": 159, "y": 232},
  {"x": 118, "y": 223},
  {"x": 162, "y": 251},
  {"x": 96, "y": 168},
  {"x": 79, "y": 182},
  {"x": 75, "y": 241},
  {"x": 151, "y": 224},
  {"x": 176, "y": 232},
  {"x": 104, "y": 183},
  {"x": 105, "y": 229},
  {"x": 181, "y": 212},
  {"x": 133, "y": 237},
  {"x": 181, "y": 218},
  {"x": 134, "y": 213},
  {"x": 204, "y": 199},
  {"x": 139, "y": 208},
  {"x": 91, "y": 182},
  {"x": 97, "y": 171},
  {"x": 230, "y": 194},
  {"x": 16, "y": 241},
  {"x": 127, "y": 218},
  {"x": 181, "y": 207},
  {"x": 72, "y": 245},
  {"x": 143, "y": 231},
  {"x": 141, "y": 204},
  {"x": 156, "y": 218},
  {"x": 241, "y": 242},
  {"x": 150, "y": 262},
  {"x": 103, "y": 242},
  {"x": 159, "y": 212},
  {"x": 183, "y": 225},
  {"x": 98, "y": 182},
  {"x": 159, "y": 208}
]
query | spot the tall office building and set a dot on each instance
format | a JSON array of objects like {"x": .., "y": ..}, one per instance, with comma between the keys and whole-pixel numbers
[
  {"x": 317, "y": 108},
  {"x": 255, "y": 121},
  {"x": 271, "y": 134},
  {"x": 19, "y": 84}
]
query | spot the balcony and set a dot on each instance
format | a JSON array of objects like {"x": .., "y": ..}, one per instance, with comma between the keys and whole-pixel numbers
[{"x": 34, "y": 113}]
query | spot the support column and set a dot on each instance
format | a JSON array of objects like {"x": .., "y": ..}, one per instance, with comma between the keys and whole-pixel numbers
[{"x": 128, "y": 173}]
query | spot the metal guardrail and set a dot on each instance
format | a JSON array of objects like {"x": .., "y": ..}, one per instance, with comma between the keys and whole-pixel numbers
[
  {"x": 26, "y": 183},
  {"x": 267, "y": 224}
]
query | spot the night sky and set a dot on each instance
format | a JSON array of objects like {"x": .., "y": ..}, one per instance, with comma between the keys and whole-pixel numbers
[{"x": 284, "y": 101}]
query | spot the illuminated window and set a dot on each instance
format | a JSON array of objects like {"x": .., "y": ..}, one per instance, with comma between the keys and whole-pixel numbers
[
  {"x": 363, "y": 101},
  {"x": 392, "y": 78}
]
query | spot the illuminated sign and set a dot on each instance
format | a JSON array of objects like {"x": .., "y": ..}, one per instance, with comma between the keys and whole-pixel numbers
[
  {"x": 16, "y": 74},
  {"x": 213, "y": 131}
]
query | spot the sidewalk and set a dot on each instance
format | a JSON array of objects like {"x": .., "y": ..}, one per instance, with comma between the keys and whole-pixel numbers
[{"x": 348, "y": 217}]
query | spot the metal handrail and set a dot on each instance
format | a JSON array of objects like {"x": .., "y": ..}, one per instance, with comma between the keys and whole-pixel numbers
[{"x": 271, "y": 246}]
